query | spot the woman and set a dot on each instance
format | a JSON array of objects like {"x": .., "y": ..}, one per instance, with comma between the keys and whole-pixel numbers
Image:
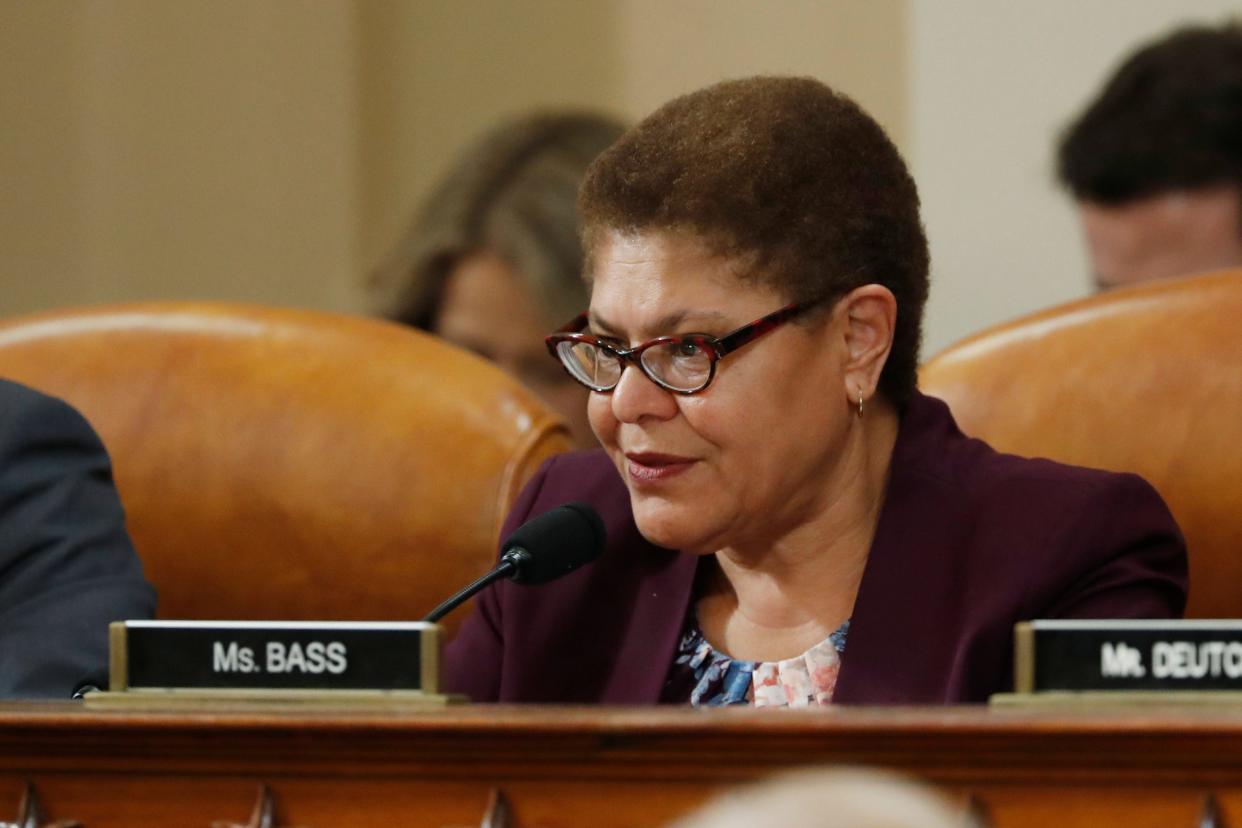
[
  {"x": 789, "y": 520},
  {"x": 493, "y": 261}
]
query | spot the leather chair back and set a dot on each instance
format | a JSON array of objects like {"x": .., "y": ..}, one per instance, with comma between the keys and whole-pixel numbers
[
  {"x": 1146, "y": 379},
  {"x": 289, "y": 464}
]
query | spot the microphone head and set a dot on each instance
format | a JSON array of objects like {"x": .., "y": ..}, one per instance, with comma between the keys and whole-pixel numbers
[{"x": 554, "y": 544}]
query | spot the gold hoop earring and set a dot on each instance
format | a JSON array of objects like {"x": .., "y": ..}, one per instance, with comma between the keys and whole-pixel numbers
[{"x": 860, "y": 402}]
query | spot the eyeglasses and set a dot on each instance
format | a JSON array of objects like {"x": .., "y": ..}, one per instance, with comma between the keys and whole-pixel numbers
[{"x": 684, "y": 364}]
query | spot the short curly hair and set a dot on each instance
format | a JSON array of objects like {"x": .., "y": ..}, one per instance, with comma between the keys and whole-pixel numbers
[
  {"x": 784, "y": 173},
  {"x": 1170, "y": 118}
]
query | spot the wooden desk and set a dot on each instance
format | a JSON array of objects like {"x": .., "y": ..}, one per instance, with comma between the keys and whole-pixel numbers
[{"x": 603, "y": 767}]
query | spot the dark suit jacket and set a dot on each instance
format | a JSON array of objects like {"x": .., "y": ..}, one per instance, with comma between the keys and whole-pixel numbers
[
  {"x": 969, "y": 542},
  {"x": 66, "y": 564}
]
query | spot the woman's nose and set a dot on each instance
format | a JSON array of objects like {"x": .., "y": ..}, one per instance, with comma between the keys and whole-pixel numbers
[{"x": 637, "y": 396}]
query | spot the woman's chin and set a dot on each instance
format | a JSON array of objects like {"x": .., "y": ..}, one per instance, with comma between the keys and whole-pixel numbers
[{"x": 673, "y": 527}]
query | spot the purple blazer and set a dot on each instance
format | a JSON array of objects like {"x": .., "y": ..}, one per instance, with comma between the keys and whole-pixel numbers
[{"x": 969, "y": 542}]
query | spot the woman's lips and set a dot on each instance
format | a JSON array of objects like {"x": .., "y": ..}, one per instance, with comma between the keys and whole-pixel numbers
[{"x": 650, "y": 467}]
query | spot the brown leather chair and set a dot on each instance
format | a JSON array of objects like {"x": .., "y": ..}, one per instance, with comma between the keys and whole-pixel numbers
[
  {"x": 1146, "y": 379},
  {"x": 292, "y": 464}
]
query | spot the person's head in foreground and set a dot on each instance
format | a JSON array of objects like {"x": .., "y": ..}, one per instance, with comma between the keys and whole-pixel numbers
[
  {"x": 830, "y": 798},
  {"x": 493, "y": 261},
  {"x": 781, "y": 502},
  {"x": 1155, "y": 161}
]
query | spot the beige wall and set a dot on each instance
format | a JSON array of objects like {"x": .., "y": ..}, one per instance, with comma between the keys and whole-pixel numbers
[
  {"x": 43, "y": 154},
  {"x": 177, "y": 149},
  {"x": 435, "y": 74},
  {"x": 992, "y": 84},
  {"x": 671, "y": 47},
  {"x": 270, "y": 150}
]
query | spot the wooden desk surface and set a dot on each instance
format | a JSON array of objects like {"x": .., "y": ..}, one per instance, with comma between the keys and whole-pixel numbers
[{"x": 1138, "y": 765}]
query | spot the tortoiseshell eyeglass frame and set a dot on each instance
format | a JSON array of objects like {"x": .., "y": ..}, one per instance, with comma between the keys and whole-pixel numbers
[{"x": 715, "y": 348}]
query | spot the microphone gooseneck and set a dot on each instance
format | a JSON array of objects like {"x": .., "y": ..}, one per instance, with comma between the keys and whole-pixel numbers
[{"x": 540, "y": 550}]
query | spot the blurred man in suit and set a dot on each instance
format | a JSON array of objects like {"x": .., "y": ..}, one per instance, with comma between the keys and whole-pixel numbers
[
  {"x": 1155, "y": 162},
  {"x": 67, "y": 567}
]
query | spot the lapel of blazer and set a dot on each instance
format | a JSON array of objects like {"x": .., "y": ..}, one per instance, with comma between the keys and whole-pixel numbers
[
  {"x": 632, "y": 602},
  {"x": 652, "y": 629},
  {"x": 905, "y": 607}
]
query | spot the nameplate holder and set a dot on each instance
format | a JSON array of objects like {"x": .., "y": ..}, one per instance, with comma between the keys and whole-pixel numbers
[
  {"x": 1157, "y": 660},
  {"x": 268, "y": 659}
]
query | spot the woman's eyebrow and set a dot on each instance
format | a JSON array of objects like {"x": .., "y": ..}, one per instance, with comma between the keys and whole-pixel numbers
[
  {"x": 598, "y": 324},
  {"x": 668, "y": 322}
]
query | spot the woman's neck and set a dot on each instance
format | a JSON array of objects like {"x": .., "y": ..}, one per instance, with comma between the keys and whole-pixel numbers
[{"x": 775, "y": 598}]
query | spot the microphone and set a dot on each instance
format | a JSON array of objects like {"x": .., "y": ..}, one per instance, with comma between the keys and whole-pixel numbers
[
  {"x": 90, "y": 684},
  {"x": 540, "y": 550}
]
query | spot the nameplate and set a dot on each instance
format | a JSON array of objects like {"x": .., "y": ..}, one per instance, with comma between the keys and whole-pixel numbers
[
  {"x": 1128, "y": 656},
  {"x": 274, "y": 655}
]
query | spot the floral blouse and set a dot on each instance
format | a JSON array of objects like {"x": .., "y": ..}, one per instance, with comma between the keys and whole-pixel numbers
[{"x": 705, "y": 677}]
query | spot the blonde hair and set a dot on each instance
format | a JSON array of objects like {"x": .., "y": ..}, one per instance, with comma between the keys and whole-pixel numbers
[
  {"x": 513, "y": 192},
  {"x": 830, "y": 798}
]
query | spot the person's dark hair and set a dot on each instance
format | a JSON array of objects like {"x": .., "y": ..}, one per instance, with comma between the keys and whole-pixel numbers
[
  {"x": 512, "y": 193},
  {"x": 788, "y": 176},
  {"x": 1170, "y": 118}
]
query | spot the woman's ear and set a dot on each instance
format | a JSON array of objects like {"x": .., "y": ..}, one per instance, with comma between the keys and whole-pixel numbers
[{"x": 870, "y": 314}]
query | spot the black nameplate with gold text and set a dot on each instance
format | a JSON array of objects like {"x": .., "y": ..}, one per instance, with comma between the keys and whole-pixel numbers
[
  {"x": 1141, "y": 656},
  {"x": 274, "y": 655}
]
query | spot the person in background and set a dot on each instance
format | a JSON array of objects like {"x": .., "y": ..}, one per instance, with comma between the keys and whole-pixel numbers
[
  {"x": 493, "y": 259},
  {"x": 1155, "y": 162},
  {"x": 789, "y": 520},
  {"x": 67, "y": 567},
  {"x": 830, "y": 798}
]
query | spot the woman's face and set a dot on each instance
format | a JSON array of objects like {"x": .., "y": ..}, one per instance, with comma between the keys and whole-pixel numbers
[
  {"x": 486, "y": 308},
  {"x": 752, "y": 455}
]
